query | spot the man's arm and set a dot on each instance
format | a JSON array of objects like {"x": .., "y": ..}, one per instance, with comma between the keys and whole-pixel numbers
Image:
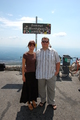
[{"x": 57, "y": 68}]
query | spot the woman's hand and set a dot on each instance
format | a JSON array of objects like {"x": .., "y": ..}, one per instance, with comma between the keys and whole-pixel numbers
[{"x": 23, "y": 78}]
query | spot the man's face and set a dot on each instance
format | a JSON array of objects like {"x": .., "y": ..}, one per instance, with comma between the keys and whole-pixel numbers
[{"x": 45, "y": 43}]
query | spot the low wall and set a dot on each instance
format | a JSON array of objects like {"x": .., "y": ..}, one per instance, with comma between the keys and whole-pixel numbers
[{"x": 13, "y": 67}]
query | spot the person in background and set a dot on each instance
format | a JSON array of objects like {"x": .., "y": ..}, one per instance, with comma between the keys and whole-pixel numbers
[
  {"x": 30, "y": 84},
  {"x": 47, "y": 68}
]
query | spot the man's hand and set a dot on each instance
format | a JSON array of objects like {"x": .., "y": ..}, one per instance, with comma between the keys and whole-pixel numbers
[{"x": 56, "y": 73}]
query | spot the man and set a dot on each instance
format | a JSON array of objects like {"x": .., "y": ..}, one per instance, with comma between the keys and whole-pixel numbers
[{"x": 48, "y": 65}]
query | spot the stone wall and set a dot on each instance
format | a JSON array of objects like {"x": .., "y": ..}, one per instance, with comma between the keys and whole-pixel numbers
[{"x": 13, "y": 67}]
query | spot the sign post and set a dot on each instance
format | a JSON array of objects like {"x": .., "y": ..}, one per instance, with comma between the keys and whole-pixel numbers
[
  {"x": 36, "y": 36},
  {"x": 36, "y": 28}
]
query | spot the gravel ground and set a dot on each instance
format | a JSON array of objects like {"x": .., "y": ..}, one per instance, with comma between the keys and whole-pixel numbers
[{"x": 67, "y": 100}]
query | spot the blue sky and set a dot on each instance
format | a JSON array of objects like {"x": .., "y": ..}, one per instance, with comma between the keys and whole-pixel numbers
[{"x": 63, "y": 15}]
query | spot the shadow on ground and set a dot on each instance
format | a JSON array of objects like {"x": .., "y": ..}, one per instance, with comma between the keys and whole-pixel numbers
[
  {"x": 35, "y": 114},
  {"x": 13, "y": 86},
  {"x": 67, "y": 78},
  {"x": 5, "y": 110}
]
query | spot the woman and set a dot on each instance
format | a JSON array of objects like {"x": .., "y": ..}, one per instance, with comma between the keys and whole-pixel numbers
[{"x": 30, "y": 84}]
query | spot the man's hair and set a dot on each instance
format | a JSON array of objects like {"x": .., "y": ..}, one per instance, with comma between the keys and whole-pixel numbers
[{"x": 45, "y": 38}]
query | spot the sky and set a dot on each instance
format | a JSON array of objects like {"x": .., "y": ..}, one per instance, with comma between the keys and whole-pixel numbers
[{"x": 63, "y": 15}]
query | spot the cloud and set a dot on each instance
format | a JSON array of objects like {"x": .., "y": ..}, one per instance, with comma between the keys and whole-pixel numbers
[
  {"x": 8, "y": 23},
  {"x": 18, "y": 23},
  {"x": 27, "y": 19},
  {"x": 60, "y": 34},
  {"x": 9, "y": 14},
  {"x": 13, "y": 37},
  {"x": 1, "y": 38},
  {"x": 52, "y": 12},
  {"x": 40, "y": 19}
]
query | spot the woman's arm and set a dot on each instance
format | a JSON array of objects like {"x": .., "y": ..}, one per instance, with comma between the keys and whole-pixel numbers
[{"x": 23, "y": 70}]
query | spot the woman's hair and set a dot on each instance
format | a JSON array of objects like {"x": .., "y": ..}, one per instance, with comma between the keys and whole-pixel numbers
[{"x": 31, "y": 43}]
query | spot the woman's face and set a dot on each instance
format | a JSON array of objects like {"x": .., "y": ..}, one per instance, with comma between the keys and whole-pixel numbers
[{"x": 31, "y": 47}]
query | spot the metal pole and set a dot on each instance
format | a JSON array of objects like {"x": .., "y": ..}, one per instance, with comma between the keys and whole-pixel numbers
[{"x": 36, "y": 37}]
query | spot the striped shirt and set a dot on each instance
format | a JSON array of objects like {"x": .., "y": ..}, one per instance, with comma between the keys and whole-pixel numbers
[{"x": 46, "y": 63}]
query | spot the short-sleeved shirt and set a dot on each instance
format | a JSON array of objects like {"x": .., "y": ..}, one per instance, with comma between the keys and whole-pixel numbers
[
  {"x": 46, "y": 63},
  {"x": 30, "y": 62}
]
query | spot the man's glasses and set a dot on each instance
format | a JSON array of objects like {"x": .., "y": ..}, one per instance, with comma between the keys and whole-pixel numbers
[{"x": 45, "y": 41}]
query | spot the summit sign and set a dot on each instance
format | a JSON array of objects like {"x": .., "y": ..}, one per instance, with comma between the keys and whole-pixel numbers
[{"x": 36, "y": 28}]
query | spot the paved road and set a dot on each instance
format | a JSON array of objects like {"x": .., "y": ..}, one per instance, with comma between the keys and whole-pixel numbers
[{"x": 67, "y": 100}]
